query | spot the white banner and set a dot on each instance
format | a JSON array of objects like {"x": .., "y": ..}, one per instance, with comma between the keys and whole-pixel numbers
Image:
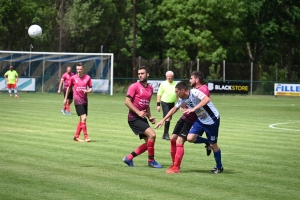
[
  {"x": 23, "y": 84},
  {"x": 282, "y": 89},
  {"x": 100, "y": 85}
]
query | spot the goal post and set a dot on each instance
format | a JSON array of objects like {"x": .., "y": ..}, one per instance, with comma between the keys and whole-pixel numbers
[{"x": 44, "y": 69}]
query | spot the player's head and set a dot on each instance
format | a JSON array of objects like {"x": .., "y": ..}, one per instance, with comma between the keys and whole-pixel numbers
[
  {"x": 69, "y": 69},
  {"x": 143, "y": 74},
  {"x": 180, "y": 88},
  {"x": 79, "y": 69},
  {"x": 196, "y": 79},
  {"x": 11, "y": 67},
  {"x": 169, "y": 76}
]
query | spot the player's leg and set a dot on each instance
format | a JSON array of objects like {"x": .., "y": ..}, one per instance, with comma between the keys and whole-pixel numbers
[
  {"x": 83, "y": 123},
  {"x": 69, "y": 101},
  {"x": 176, "y": 131},
  {"x": 81, "y": 112},
  {"x": 65, "y": 106},
  {"x": 151, "y": 136},
  {"x": 166, "y": 107},
  {"x": 15, "y": 90},
  {"x": 9, "y": 90},
  {"x": 182, "y": 137},
  {"x": 138, "y": 126},
  {"x": 212, "y": 133},
  {"x": 195, "y": 136}
]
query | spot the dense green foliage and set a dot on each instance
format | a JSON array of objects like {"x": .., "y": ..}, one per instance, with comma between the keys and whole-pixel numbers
[
  {"x": 261, "y": 31},
  {"x": 40, "y": 160}
]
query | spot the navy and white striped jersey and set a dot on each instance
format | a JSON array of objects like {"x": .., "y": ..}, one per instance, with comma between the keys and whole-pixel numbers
[{"x": 206, "y": 114}]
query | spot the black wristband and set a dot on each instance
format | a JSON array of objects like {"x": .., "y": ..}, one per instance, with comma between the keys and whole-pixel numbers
[{"x": 158, "y": 103}]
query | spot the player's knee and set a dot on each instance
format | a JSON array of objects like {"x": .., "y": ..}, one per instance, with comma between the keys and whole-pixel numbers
[{"x": 192, "y": 138}]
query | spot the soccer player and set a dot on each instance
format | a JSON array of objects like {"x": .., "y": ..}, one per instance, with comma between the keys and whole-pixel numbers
[
  {"x": 137, "y": 100},
  {"x": 65, "y": 80},
  {"x": 183, "y": 126},
  {"x": 11, "y": 77},
  {"x": 166, "y": 98},
  {"x": 82, "y": 85},
  {"x": 208, "y": 119}
]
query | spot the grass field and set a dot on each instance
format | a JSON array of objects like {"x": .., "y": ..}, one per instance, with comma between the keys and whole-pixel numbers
[{"x": 259, "y": 138}]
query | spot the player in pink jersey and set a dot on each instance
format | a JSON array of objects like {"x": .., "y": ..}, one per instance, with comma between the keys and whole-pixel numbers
[
  {"x": 82, "y": 85},
  {"x": 65, "y": 80},
  {"x": 138, "y": 100},
  {"x": 184, "y": 125}
]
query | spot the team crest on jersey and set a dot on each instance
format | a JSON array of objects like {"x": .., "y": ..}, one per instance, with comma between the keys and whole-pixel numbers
[{"x": 141, "y": 90}]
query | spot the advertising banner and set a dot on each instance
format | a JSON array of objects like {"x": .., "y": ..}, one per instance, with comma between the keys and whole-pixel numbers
[
  {"x": 228, "y": 87},
  {"x": 23, "y": 84},
  {"x": 100, "y": 85},
  {"x": 282, "y": 89}
]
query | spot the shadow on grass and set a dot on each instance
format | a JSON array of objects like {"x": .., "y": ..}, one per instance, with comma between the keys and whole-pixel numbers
[{"x": 203, "y": 171}]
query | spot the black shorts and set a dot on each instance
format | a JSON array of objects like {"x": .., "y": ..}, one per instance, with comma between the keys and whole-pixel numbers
[
  {"x": 81, "y": 109},
  {"x": 182, "y": 128},
  {"x": 138, "y": 126},
  {"x": 70, "y": 95},
  {"x": 166, "y": 107}
]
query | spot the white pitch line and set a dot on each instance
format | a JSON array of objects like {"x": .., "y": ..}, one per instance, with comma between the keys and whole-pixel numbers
[
  {"x": 286, "y": 129},
  {"x": 51, "y": 130}
]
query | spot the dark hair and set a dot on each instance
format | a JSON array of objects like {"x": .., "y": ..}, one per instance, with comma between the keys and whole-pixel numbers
[
  {"x": 199, "y": 75},
  {"x": 182, "y": 85},
  {"x": 79, "y": 64},
  {"x": 145, "y": 68}
]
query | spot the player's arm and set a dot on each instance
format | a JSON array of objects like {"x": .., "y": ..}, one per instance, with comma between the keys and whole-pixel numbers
[
  {"x": 69, "y": 88},
  {"x": 17, "y": 77},
  {"x": 158, "y": 98},
  {"x": 170, "y": 113},
  {"x": 88, "y": 91},
  {"x": 60, "y": 84},
  {"x": 204, "y": 100},
  {"x": 129, "y": 104},
  {"x": 151, "y": 119}
]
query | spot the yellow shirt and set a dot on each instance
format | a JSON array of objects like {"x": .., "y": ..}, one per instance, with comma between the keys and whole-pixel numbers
[
  {"x": 167, "y": 92},
  {"x": 11, "y": 75}
]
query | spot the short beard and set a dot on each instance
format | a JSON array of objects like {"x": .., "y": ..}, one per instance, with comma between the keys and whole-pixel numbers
[{"x": 144, "y": 81}]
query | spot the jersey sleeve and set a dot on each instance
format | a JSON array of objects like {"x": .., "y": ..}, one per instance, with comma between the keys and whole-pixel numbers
[
  {"x": 16, "y": 74},
  {"x": 178, "y": 104},
  {"x": 160, "y": 89},
  {"x": 90, "y": 84},
  {"x": 71, "y": 82},
  {"x": 198, "y": 94},
  {"x": 131, "y": 91}
]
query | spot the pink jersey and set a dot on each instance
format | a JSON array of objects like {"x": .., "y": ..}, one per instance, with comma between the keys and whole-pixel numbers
[
  {"x": 66, "y": 78},
  {"x": 80, "y": 84},
  {"x": 192, "y": 116},
  {"x": 141, "y": 97}
]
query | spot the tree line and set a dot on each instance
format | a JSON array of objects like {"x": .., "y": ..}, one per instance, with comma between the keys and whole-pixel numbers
[{"x": 265, "y": 32}]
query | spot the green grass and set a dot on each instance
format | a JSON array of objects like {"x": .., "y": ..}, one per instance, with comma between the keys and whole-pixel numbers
[{"x": 39, "y": 159}]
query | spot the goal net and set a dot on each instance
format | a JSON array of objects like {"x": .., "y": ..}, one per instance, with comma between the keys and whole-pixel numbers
[{"x": 42, "y": 71}]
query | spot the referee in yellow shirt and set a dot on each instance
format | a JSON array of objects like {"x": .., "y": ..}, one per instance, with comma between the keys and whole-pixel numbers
[{"x": 166, "y": 98}]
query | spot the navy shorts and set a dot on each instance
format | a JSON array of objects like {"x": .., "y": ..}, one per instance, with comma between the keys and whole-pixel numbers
[
  {"x": 182, "y": 128},
  {"x": 81, "y": 109},
  {"x": 212, "y": 131},
  {"x": 139, "y": 125}
]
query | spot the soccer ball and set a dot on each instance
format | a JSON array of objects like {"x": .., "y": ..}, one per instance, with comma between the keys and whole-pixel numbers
[{"x": 35, "y": 31}]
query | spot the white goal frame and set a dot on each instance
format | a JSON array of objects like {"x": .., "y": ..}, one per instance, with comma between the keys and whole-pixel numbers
[{"x": 52, "y": 56}]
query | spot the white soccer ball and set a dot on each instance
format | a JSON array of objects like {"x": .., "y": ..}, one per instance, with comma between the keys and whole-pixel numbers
[{"x": 35, "y": 31}]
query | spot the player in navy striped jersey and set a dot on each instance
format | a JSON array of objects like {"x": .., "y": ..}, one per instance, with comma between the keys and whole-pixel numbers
[{"x": 208, "y": 120}]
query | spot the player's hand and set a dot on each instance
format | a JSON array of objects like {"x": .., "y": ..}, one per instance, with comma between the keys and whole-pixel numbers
[
  {"x": 142, "y": 113},
  {"x": 152, "y": 120},
  {"x": 65, "y": 101},
  {"x": 188, "y": 111},
  {"x": 159, "y": 124},
  {"x": 158, "y": 108},
  {"x": 58, "y": 91}
]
